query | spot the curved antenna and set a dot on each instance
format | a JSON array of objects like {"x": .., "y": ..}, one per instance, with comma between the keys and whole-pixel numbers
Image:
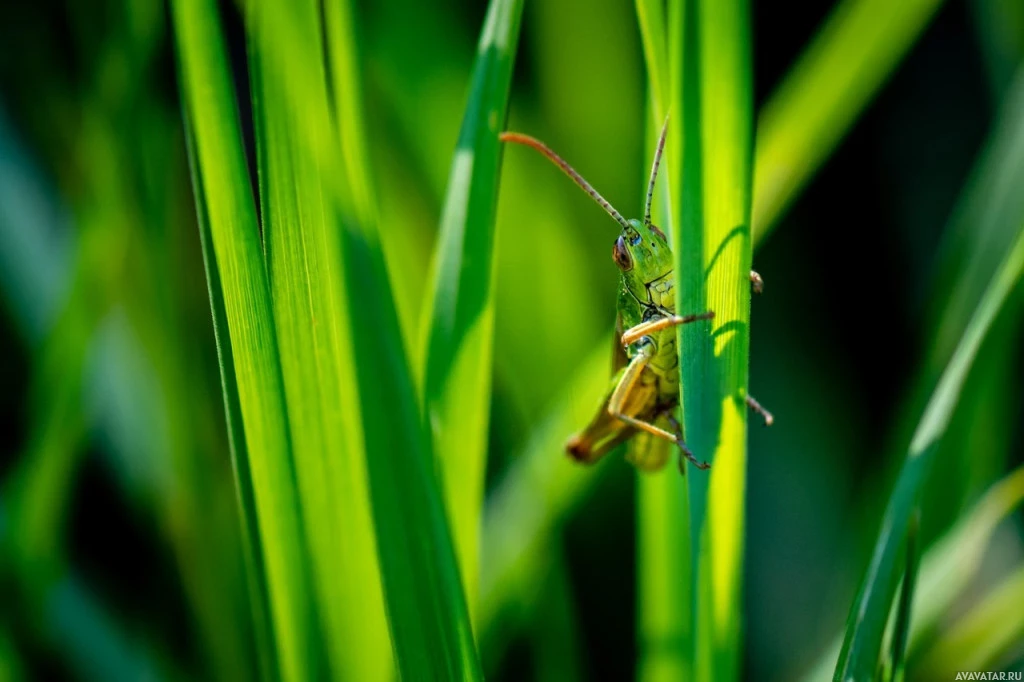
[
  {"x": 654, "y": 172},
  {"x": 519, "y": 138}
]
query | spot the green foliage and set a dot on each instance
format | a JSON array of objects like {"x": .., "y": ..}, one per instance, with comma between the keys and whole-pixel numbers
[
  {"x": 407, "y": 327},
  {"x": 459, "y": 337},
  {"x": 869, "y": 613}
]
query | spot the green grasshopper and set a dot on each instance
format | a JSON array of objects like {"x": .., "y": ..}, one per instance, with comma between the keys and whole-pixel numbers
[{"x": 644, "y": 391}]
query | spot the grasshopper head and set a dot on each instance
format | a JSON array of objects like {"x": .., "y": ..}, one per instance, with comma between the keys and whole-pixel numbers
[
  {"x": 641, "y": 251},
  {"x": 642, "y": 255}
]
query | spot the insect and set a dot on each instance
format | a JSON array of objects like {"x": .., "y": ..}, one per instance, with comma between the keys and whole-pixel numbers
[{"x": 644, "y": 392}]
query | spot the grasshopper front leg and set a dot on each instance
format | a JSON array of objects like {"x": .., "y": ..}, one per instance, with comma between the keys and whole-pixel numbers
[
  {"x": 634, "y": 334},
  {"x": 620, "y": 396}
]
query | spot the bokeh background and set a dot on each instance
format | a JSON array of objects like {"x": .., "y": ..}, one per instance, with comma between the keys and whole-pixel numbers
[{"x": 119, "y": 540}]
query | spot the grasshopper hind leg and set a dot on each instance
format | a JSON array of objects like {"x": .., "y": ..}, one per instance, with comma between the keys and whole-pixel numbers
[{"x": 684, "y": 451}]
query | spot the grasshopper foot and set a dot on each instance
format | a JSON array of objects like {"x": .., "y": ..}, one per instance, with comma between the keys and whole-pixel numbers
[
  {"x": 685, "y": 453},
  {"x": 756, "y": 407},
  {"x": 756, "y": 282}
]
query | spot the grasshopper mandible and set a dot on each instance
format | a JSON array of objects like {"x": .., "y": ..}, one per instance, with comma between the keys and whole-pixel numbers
[{"x": 644, "y": 391}]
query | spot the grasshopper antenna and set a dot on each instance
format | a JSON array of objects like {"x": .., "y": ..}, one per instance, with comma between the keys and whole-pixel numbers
[
  {"x": 519, "y": 138},
  {"x": 654, "y": 172}
]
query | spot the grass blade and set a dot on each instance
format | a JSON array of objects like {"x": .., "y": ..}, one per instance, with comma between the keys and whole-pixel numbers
[
  {"x": 983, "y": 637},
  {"x": 837, "y": 75},
  {"x": 947, "y": 568},
  {"x": 901, "y": 633},
  {"x": 712, "y": 161},
  {"x": 426, "y": 606},
  {"x": 459, "y": 339},
  {"x": 223, "y": 183},
  {"x": 252, "y": 550},
  {"x": 313, "y": 330},
  {"x": 870, "y": 611}
]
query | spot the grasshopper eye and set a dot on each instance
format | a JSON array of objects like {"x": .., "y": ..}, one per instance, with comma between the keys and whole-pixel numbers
[{"x": 620, "y": 254}]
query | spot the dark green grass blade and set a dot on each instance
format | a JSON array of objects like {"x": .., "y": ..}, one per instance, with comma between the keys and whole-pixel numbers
[
  {"x": 426, "y": 606},
  {"x": 234, "y": 240},
  {"x": 459, "y": 337},
  {"x": 865, "y": 627},
  {"x": 901, "y": 633},
  {"x": 849, "y": 60}
]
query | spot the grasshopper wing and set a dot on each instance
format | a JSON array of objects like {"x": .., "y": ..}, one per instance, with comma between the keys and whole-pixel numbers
[{"x": 603, "y": 432}]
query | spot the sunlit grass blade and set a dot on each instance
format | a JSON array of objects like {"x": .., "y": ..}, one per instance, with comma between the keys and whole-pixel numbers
[
  {"x": 459, "y": 337},
  {"x": 870, "y": 611},
  {"x": 711, "y": 194},
  {"x": 221, "y": 175},
  {"x": 313, "y": 330},
  {"x": 252, "y": 549},
  {"x": 425, "y": 605},
  {"x": 840, "y": 71}
]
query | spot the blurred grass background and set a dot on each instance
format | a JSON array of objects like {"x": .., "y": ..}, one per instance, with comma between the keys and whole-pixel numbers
[{"x": 121, "y": 552}]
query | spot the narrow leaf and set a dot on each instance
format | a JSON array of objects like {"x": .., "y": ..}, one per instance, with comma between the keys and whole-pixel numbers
[
  {"x": 711, "y": 204},
  {"x": 311, "y": 317},
  {"x": 234, "y": 239},
  {"x": 459, "y": 336},
  {"x": 870, "y": 611}
]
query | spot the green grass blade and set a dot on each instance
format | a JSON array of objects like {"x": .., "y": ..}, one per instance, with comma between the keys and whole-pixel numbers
[
  {"x": 234, "y": 237},
  {"x": 870, "y": 611},
  {"x": 948, "y": 567},
  {"x": 427, "y": 611},
  {"x": 256, "y": 575},
  {"x": 711, "y": 204},
  {"x": 313, "y": 331},
  {"x": 901, "y": 631},
  {"x": 664, "y": 573},
  {"x": 982, "y": 638},
  {"x": 425, "y": 605},
  {"x": 837, "y": 75},
  {"x": 650, "y": 15},
  {"x": 459, "y": 339},
  {"x": 347, "y": 91}
]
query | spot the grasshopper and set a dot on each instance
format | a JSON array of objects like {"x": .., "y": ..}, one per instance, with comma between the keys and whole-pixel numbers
[{"x": 644, "y": 392}]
